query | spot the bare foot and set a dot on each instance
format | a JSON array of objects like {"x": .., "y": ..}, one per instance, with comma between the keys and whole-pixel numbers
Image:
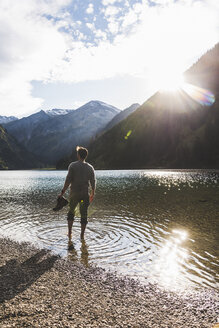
[
  {"x": 69, "y": 236},
  {"x": 70, "y": 245}
]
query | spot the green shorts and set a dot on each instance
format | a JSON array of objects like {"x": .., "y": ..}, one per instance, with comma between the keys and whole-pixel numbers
[{"x": 83, "y": 201}]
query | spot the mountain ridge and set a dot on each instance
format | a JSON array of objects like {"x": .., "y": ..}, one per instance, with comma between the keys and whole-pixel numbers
[
  {"x": 52, "y": 137},
  {"x": 169, "y": 130},
  {"x": 57, "y": 111},
  {"x": 7, "y": 119},
  {"x": 121, "y": 116}
]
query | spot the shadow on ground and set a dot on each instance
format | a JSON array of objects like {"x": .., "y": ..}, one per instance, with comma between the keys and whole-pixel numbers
[{"x": 15, "y": 277}]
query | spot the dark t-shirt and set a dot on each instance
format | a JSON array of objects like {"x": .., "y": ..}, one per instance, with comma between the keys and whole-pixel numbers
[{"x": 80, "y": 175}]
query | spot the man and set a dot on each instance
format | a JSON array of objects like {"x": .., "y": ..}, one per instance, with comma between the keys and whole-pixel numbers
[{"x": 80, "y": 175}]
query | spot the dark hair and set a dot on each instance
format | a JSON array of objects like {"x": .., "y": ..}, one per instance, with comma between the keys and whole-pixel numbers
[{"x": 82, "y": 152}]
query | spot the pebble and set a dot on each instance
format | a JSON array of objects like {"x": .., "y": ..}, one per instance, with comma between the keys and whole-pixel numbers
[{"x": 40, "y": 289}]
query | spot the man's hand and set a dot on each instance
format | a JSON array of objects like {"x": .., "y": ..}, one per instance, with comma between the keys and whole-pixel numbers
[
  {"x": 91, "y": 196},
  {"x": 62, "y": 193}
]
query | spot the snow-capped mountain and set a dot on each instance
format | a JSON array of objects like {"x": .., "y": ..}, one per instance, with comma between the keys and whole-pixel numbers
[
  {"x": 7, "y": 119},
  {"x": 57, "y": 111},
  {"x": 99, "y": 104},
  {"x": 52, "y": 136}
]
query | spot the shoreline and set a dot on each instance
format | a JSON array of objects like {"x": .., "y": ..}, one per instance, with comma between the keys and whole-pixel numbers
[{"x": 40, "y": 289}]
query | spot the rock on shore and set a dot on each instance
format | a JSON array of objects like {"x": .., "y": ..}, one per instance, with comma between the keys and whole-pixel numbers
[{"x": 40, "y": 289}]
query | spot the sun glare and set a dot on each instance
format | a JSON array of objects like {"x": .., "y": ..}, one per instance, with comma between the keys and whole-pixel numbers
[
  {"x": 171, "y": 82},
  {"x": 167, "y": 79}
]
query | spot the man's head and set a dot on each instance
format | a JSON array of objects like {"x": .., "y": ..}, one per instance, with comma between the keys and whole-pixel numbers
[{"x": 81, "y": 152}]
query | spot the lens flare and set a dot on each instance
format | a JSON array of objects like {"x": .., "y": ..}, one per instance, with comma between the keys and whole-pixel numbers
[
  {"x": 202, "y": 96},
  {"x": 128, "y": 134}
]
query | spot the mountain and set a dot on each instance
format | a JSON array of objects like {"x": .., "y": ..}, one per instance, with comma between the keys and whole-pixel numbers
[
  {"x": 58, "y": 111},
  {"x": 52, "y": 137},
  {"x": 13, "y": 155},
  {"x": 24, "y": 128},
  {"x": 171, "y": 129},
  {"x": 7, "y": 119},
  {"x": 121, "y": 116}
]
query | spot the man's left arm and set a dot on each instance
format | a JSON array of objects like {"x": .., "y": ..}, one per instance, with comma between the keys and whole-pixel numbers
[{"x": 93, "y": 184}]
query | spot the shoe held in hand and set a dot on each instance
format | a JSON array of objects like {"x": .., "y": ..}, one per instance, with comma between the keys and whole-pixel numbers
[{"x": 61, "y": 202}]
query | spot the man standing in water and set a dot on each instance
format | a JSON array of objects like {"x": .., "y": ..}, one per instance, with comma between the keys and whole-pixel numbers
[{"x": 80, "y": 175}]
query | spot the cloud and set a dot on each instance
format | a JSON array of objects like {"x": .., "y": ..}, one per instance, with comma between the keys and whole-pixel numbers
[
  {"x": 109, "y": 2},
  {"x": 130, "y": 18},
  {"x": 90, "y": 26},
  {"x": 113, "y": 27},
  {"x": 100, "y": 34},
  {"x": 16, "y": 99},
  {"x": 77, "y": 103},
  {"x": 163, "y": 2},
  {"x": 90, "y": 9},
  {"x": 111, "y": 11},
  {"x": 160, "y": 41},
  {"x": 32, "y": 46},
  {"x": 43, "y": 42}
]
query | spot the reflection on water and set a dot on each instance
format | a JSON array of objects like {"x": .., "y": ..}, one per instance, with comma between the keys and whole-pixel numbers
[
  {"x": 156, "y": 225},
  {"x": 73, "y": 254},
  {"x": 172, "y": 258}
]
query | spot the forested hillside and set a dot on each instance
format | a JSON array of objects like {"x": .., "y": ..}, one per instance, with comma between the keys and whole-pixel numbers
[
  {"x": 171, "y": 129},
  {"x": 13, "y": 155}
]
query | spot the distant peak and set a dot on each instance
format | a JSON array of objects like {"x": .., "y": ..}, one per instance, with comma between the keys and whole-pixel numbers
[
  {"x": 7, "y": 119},
  {"x": 136, "y": 105},
  {"x": 99, "y": 104},
  {"x": 58, "y": 111}
]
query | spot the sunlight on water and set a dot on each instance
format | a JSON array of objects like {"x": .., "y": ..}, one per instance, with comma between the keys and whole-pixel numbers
[
  {"x": 171, "y": 259},
  {"x": 155, "y": 225}
]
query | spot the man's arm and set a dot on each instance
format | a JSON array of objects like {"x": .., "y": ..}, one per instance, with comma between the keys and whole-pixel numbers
[
  {"x": 93, "y": 185},
  {"x": 67, "y": 182},
  {"x": 66, "y": 185},
  {"x": 92, "y": 195}
]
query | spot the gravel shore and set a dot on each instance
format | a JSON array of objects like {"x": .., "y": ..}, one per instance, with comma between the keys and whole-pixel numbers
[{"x": 40, "y": 289}]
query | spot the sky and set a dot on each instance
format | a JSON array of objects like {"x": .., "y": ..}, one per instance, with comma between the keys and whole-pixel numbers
[{"x": 64, "y": 53}]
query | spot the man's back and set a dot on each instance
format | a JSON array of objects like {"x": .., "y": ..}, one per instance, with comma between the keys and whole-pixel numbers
[{"x": 79, "y": 175}]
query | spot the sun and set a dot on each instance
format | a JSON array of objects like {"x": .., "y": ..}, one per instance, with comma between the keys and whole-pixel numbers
[
  {"x": 172, "y": 82},
  {"x": 167, "y": 78}
]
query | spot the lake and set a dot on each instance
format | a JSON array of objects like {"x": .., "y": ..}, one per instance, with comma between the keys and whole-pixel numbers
[{"x": 159, "y": 226}]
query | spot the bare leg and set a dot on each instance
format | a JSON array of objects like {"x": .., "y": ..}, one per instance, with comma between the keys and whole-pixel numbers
[
  {"x": 70, "y": 223},
  {"x": 83, "y": 227}
]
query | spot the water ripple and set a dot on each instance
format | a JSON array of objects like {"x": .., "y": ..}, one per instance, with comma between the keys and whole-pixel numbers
[{"x": 159, "y": 226}]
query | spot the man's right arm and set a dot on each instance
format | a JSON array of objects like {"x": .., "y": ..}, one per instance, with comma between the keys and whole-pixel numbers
[{"x": 67, "y": 181}]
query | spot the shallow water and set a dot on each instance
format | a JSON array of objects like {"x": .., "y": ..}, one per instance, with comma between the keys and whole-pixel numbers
[{"x": 156, "y": 225}]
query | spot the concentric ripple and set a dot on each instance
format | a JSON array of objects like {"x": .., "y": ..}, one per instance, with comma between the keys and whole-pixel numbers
[{"x": 158, "y": 226}]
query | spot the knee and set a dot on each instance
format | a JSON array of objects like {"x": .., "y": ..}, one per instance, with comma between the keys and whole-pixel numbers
[
  {"x": 70, "y": 216},
  {"x": 84, "y": 221}
]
